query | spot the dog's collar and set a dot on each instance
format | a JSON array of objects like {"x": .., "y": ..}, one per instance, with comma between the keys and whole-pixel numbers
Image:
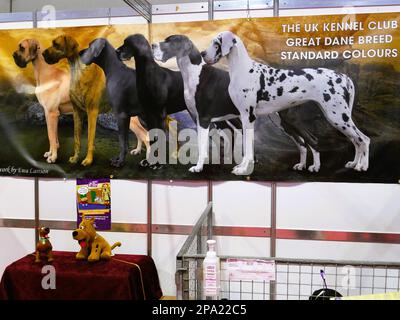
[{"x": 43, "y": 239}]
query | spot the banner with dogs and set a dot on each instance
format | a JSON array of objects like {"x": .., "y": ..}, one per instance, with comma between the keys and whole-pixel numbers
[{"x": 313, "y": 98}]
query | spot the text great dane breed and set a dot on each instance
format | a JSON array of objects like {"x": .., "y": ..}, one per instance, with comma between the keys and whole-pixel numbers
[
  {"x": 52, "y": 90},
  {"x": 258, "y": 89},
  {"x": 207, "y": 97}
]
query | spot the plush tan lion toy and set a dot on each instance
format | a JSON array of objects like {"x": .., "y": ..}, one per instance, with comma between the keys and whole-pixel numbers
[{"x": 93, "y": 246}]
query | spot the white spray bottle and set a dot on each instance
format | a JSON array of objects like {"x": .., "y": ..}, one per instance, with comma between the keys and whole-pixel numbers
[{"x": 211, "y": 273}]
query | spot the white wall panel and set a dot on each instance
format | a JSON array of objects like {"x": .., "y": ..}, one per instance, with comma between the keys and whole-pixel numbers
[
  {"x": 333, "y": 250},
  {"x": 57, "y": 199},
  {"x": 16, "y": 25},
  {"x": 4, "y": 5},
  {"x": 344, "y": 10},
  {"x": 183, "y": 17},
  {"x": 93, "y": 22},
  {"x": 220, "y": 15},
  {"x": 240, "y": 203},
  {"x": 129, "y": 201},
  {"x": 23, "y": 5},
  {"x": 178, "y": 202},
  {"x": 17, "y": 198},
  {"x": 20, "y": 242},
  {"x": 165, "y": 249},
  {"x": 339, "y": 206},
  {"x": 132, "y": 243},
  {"x": 243, "y": 246}
]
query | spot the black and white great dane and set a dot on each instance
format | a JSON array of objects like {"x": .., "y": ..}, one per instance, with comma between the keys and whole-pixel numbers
[
  {"x": 160, "y": 90},
  {"x": 258, "y": 89},
  {"x": 207, "y": 97}
]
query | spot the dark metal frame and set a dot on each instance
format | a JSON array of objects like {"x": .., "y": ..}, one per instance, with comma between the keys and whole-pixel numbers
[{"x": 143, "y": 7}]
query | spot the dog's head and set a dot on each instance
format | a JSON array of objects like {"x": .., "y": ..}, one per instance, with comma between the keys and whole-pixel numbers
[
  {"x": 62, "y": 47},
  {"x": 27, "y": 51},
  {"x": 93, "y": 52},
  {"x": 86, "y": 231},
  {"x": 176, "y": 46},
  {"x": 220, "y": 47},
  {"x": 134, "y": 46},
  {"x": 44, "y": 232}
]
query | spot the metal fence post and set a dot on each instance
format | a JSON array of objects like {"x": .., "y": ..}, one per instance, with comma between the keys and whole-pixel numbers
[
  {"x": 149, "y": 218},
  {"x": 272, "y": 253},
  {"x": 37, "y": 216},
  {"x": 276, "y": 8},
  {"x": 210, "y": 9}
]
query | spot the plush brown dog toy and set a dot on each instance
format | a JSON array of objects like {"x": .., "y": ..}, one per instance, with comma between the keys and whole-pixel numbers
[
  {"x": 44, "y": 247},
  {"x": 93, "y": 246}
]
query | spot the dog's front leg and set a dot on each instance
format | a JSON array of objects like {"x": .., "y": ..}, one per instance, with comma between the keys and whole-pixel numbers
[
  {"x": 82, "y": 254},
  {"x": 37, "y": 256},
  {"x": 92, "y": 120},
  {"x": 123, "y": 133},
  {"x": 52, "y": 124},
  {"x": 138, "y": 148},
  {"x": 156, "y": 124},
  {"x": 77, "y": 135},
  {"x": 50, "y": 256},
  {"x": 202, "y": 145},
  {"x": 246, "y": 167},
  {"x": 137, "y": 129},
  {"x": 47, "y": 153},
  {"x": 95, "y": 252}
]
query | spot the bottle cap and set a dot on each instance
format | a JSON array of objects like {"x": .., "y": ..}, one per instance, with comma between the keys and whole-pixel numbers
[{"x": 211, "y": 245}]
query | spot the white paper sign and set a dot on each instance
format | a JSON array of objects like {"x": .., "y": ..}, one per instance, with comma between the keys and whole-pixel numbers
[{"x": 251, "y": 269}]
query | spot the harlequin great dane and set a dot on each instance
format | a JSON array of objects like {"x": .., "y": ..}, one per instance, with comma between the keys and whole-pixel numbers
[
  {"x": 207, "y": 98},
  {"x": 258, "y": 89}
]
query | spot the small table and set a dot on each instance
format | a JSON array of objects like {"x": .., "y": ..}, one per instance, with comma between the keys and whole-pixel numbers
[{"x": 124, "y": 277}]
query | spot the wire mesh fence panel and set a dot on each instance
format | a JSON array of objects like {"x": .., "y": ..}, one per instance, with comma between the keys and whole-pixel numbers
[
  {"x": 299, "y": 279},
  {"x": 295, "y": 279}
]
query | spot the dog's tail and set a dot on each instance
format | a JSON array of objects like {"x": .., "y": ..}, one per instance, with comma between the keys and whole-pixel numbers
[{"x": 117, "y": 244}]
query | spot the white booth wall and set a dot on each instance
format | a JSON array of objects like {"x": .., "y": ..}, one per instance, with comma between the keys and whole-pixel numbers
[{"x": 309, "y": 206}]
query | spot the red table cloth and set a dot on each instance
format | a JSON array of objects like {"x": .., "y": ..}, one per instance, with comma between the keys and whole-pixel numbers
[{"x": 124, "y": 277}]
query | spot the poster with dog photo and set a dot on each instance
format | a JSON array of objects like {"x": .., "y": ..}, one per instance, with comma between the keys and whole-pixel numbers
[
  {"x": 94, "y": 201},
  {"x": 311, "y": 98}
]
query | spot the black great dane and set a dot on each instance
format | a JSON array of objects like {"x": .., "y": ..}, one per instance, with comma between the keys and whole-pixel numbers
[
  {"x": 160, "y": 90},
  {"x": 121, "y": 90}
]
